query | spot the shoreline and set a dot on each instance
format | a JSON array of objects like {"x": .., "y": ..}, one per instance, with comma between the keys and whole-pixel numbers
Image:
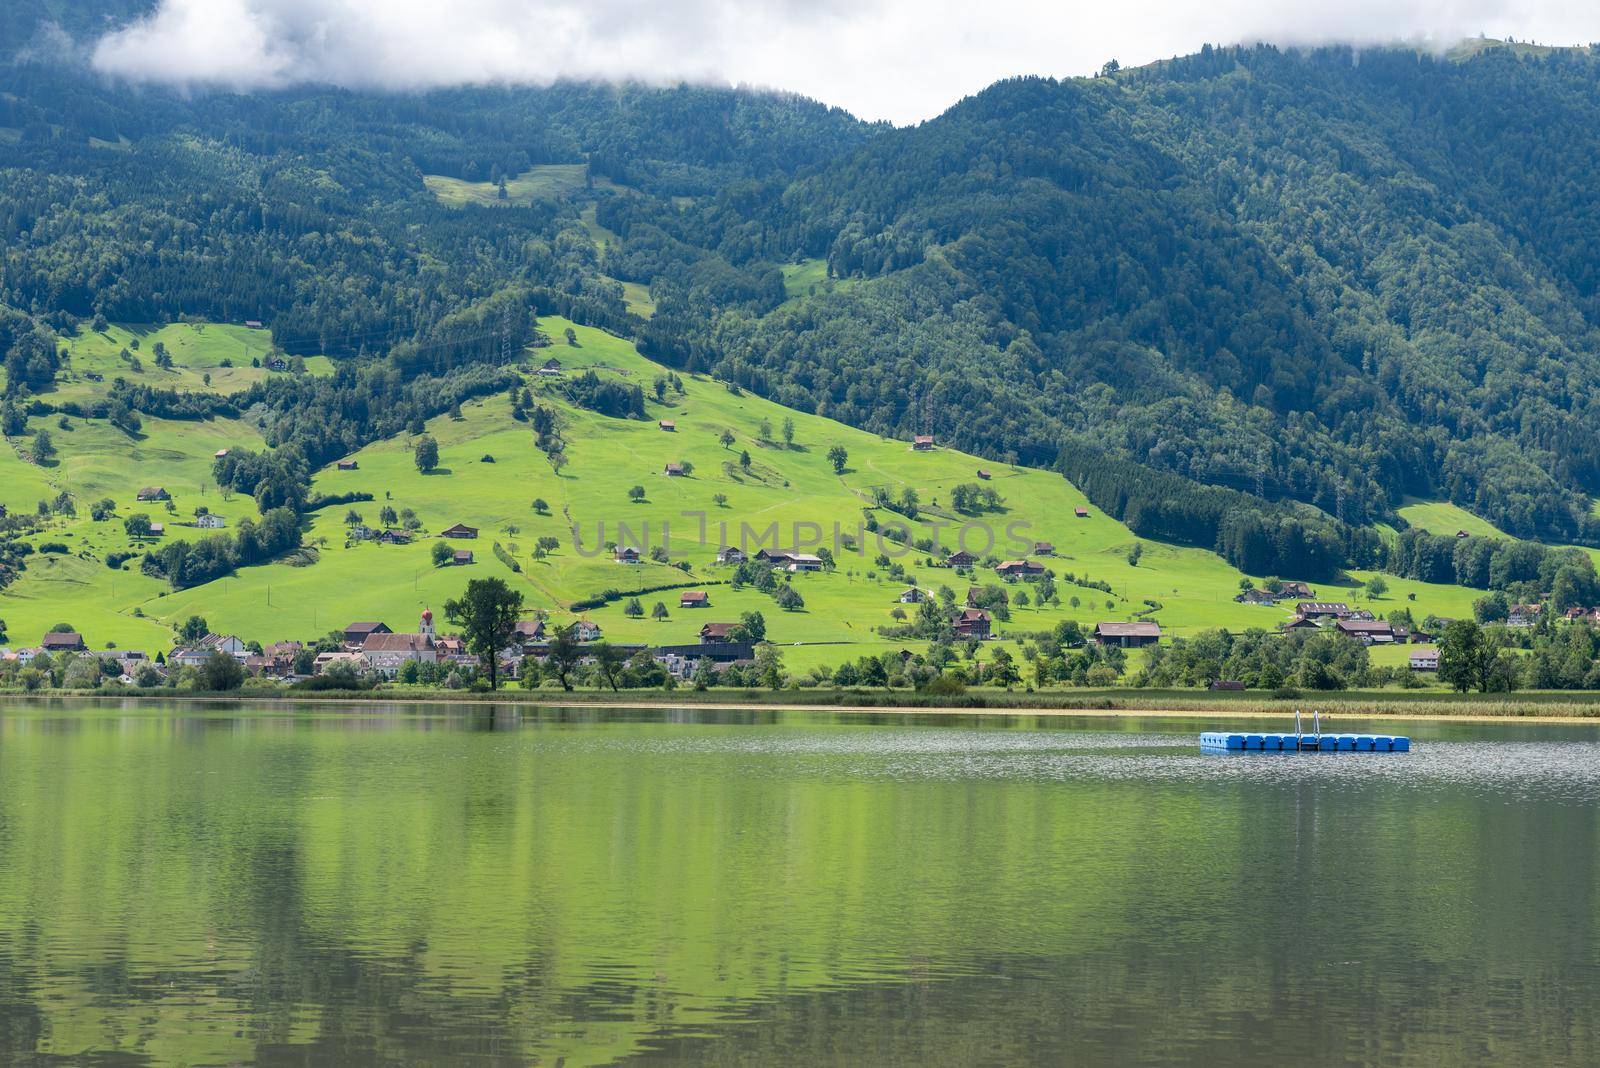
[{"x": 1334, "y": 710}]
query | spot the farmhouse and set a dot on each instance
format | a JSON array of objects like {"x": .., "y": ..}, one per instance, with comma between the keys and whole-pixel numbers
[
  {"x": 693, "y": 599},
  {"x": 912, "y": 595},
  {"x": 1298, "y": 623},
  {"x": 346, "y": 465},
  {"x": 459, "y": 530},
  {"x": 971, "y": 623},
  {"x": 528, "y": 631},
  {"x": 395, "y": 537},
  {"x": 157, "y": 530},
  {"x": 668, "y": 425},
  {"x": 1043, "y": 548},
  {"x": 627, "y": 554},
  {"x": 586, "y": 630},
  {"x": 713, "y": 633},
  {"x": 790, "y": 560},
  {"x": 730, "y": 555},
  {"x": 1292, "y": 589},
  {"x": 1127, "y": 635},
  {"x": 210, "y": 521},
  {"x": 355, "y": 634},
  {"x": 922, "y": 442},
  {"x": 1367, "y": 631},
  {"x": 462, "y": 557},
  {"x": 552, "y": 364},
  {"x": 1081, "y": 513},
  {"x": 984, "y": 474},
  {"x": 63, "y": 642},
  {"x": 219, "y": 454},
  {"x": 960, "y": 558},
  {"x": 674, "y": 469},
  {"x": 277, "y": 363},
  {"x": 1322, "y": 610},
  {"x": 1425, "y": 658},
  {"x": 1256, "y": 597},
  {"x": 1523, "y": 615},
  {"x": 154, "y": 493},
  {"x": 1027, "y": 570}
]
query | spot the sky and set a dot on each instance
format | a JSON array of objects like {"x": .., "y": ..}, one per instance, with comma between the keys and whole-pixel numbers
[{"x": 900, "y": 60}]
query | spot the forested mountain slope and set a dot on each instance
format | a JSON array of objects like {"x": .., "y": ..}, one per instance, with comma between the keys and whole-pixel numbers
[{"x": 1332, "y": 280}]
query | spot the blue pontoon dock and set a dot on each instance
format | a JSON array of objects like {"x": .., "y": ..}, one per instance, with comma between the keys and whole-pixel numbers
[{"x": 1313, "y": 741}]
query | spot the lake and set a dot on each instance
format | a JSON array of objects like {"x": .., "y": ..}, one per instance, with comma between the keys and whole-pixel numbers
[{"x": 235, "y": 885}]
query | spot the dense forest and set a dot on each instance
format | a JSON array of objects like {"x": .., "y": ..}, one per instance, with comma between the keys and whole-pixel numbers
[{"x": 1250, "y": 299}]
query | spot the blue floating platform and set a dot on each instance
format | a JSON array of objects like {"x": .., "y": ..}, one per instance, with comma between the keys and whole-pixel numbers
[{"x": 1245, "y": 742}]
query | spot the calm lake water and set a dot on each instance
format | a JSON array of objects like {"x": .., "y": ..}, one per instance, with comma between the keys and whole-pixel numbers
[{"x": 192, "y": 886}]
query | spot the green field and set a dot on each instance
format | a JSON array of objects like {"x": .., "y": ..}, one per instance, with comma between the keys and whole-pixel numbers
[
  {"x": 785, "y": 485},
  {"x": 1442, "y": 517},
  {"x": 546, "y": 182}
]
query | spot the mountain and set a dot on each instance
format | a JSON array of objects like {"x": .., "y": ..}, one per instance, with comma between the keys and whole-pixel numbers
[{"x": 1245, "y": 286}]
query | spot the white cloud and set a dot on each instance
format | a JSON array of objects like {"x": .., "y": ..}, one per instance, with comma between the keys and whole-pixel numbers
[{"x": 902, "y": 60}]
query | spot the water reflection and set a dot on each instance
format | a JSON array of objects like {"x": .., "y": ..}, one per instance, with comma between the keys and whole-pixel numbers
[{"x": 505, "y": 886}]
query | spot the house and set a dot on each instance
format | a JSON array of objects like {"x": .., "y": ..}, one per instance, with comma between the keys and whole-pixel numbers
[
  {"x": 627, "y": 554},
  {"x": 912, "y": 595},
  {"x": 210, "y": 521},
  {"x": 693, "y": 599},
  {"x": 346, "y": 465},
  {"x": 1425, "y": 658},
  {"x": 529, "y": 631},
  {"x": 252, "y": 324},
  {"x": 1128, "y": 635},
  {"x": 713, "y": 633},
  {"x": 356, "y": 634},
  {"x": 1462, "y": 534},
  {"x": 730, "y": 555},
  {"x": 1043, "y": 548},
  {"x": 1225, "y": 684},
  {"x": 668, "y": 425},
  {"x": 361, "y": 532},
  {"x": 972, "y": 623},
  {"x": 62, "y": 642},
  {"x": 188, "y": 657},
  {"x": 462, "y": 557},
  {"x": 1322, "y": 610},
  {"x": 790, "y": 560},
  {"x": 1081, "y": 513},
  {"x": 277, "y": 363},
  {"x": 1256, "y": 597},
  {"x": 552, "y": 364},
  {"x": 283, "y": 655},
  {"x": 586, "y": 630},
  {"x": 154, "y": 493},
  {"x": 984, "y": 474},
  {"x": 548, "y": 372},
  {"x": 459, "y": 530},
  {"x": 1367, "y": 631},
  {"x": 922, "y": 442},
  {"x": 324, "y": 661},
  {"x": 1300, "y": 590},
  {"x": 1298, "y": 623},
  {"x": 395, "y": 537},
  {"x": 1523, "y": 615},
  {"x": 219, "y": 454},
  {"x": 682, "y": 660},
  {"x": 158, "y": 530},
  {"x": 229, "y": 644},
  {"x": 1027, "y": 570},
  {"x": 674, "y": 469},
  {"x": 960, "y": 558}
]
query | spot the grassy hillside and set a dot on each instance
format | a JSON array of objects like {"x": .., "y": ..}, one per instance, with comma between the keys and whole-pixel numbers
[
  {"x": 490, "y": 474},
  {"x": 545, "y": 182}
]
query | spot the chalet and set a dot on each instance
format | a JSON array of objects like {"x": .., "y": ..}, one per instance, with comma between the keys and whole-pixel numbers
[
  {"x": 626, "y": 554},
  {"x": 1128, "y": 635},
  {"x": 674, "y": 469},
  {"x": 972, "y": 623},
  {"x": 1462, "y": 534},
  {"x": 1299, "y": 623},
  {"x": 460, "y": 530},
  {"x": 63, "y": 642},
  {"x": 361, "y": 532},
  {"x": 789, "y": 560},
  {"x": 1295, "y": 589},
  {"x": 668, "y": 425},
  {"x": 529, "y": 631},
  {"x": 730, "y": 555},
  {"x": 713, "y": 633},
  {"x": 210, "y": 521},
  {"x": 1425, "y": 658},
  {"x": 548, "y": 372},
  {"x": 1081, "y": 513},
  {"x": 1225, "y": 684},
  {"x": 586, "y": 630},
  {"x": 960, "y": 558},
  {"x": 1256, "y": 597},
  {"x": 462, "y": 557},
  {"x": 158, "y": 530},
  {"x": 984, "y": 474},
  {"x": 552, "y": 364},
  {"x": 693, "y": 599},
  {"x": 1322, "y": 610},
  {"x": 154, "y": 493},
  {"x": 1026, "y": 570},
  {"x": 355, "y": 634},
  {"x": 1367, "y": 631},
  {"x": 252, "y": 324},
  {"x": 277, "y": 363},
  {"x": 1043, "y": 548},
  {"x": 912, "y": 595},
  {"x": 922, "y": 442},
  {"x": 1360, "y": 613},
  {"x": 804, "y": 562},
  {"x": 395, "y": 537},
  {"x": 1523, "y": 615},
  {"x": 346, "y": 465}
]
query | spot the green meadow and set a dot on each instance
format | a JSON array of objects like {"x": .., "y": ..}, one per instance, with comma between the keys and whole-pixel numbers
[
  {"x": 490, "y": 475},
  {"x": 549, "y": 181}
]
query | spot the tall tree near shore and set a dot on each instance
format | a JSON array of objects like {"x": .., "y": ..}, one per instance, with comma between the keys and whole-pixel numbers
[{"x": 487, "y": 614}]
